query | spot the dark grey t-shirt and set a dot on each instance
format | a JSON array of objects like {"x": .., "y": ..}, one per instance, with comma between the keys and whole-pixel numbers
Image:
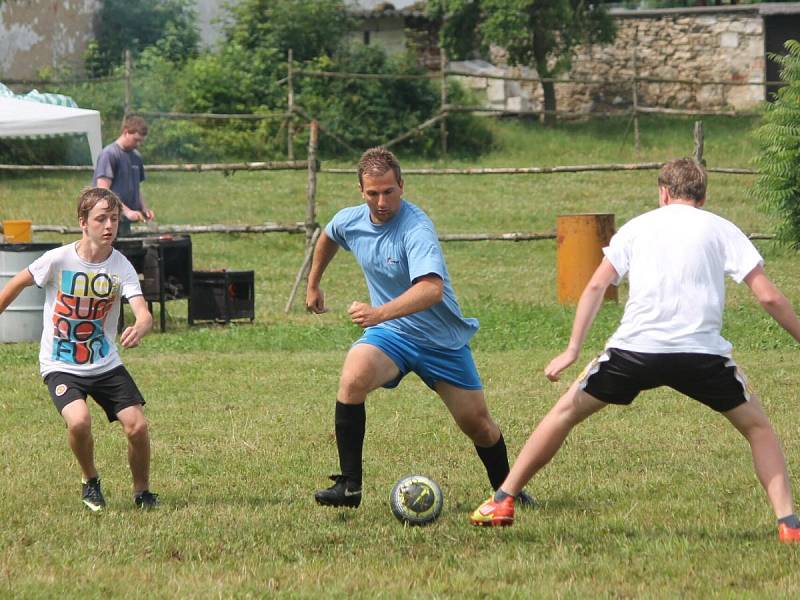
[{"x": 125, "y": 170}]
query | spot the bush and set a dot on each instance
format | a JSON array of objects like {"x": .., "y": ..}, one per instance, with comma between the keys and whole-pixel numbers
[
  {"x": 778, "y": 184},
  {"x": 368, "y": 112}
]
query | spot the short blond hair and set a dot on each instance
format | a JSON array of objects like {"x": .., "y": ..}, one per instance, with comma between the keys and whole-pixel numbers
[
  {"x": 377, "y": 161},
  {"x": 684, "y": 178},
  {"x": 90, "y": 196}
]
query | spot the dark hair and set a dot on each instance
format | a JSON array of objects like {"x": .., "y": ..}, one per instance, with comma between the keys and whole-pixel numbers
[
  {"x": 684, "y": 178},
  {"x": 135, "y": 124},
  {"x": 377, "y": 161},
  {"x": 89, "y": 197}
]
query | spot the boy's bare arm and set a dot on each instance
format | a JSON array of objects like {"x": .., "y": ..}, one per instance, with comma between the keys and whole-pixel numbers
[
  {"x": 14, "y": 287},
  {"x": 588, "y": 305},
  {"x": 133, "y": 334},
  {"x": 773, "y": 301}
]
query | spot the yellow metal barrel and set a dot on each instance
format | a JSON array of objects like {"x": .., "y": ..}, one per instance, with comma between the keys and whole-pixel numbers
[{"x": 580, "y": 240}]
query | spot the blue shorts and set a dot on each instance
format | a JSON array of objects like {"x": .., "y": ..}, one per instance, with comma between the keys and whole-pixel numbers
[{"x": 455, "y": 367}]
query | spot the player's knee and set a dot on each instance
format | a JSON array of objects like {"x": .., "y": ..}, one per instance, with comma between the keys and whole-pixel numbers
[
  {"x": 481, "y": 430},
  {"x": 136, "y": 429},
  {"x": 80, "y": 426},
  {"x": 353, "y": 388}
]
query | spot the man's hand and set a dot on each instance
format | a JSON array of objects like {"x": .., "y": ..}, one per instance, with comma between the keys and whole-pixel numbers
[
  {"x": 132, "y": 215},
  {"x": 315, "y": 301},
  {"x": 131, "y": 337},
  {"x": 559, "y": 363},
  {"x": 364, "y": 315},
  {"x": 148, "y": 214}
]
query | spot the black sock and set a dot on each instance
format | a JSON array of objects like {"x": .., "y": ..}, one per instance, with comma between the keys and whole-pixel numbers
[
  {"x": 791, "y": 521},
  {"x": 495, "y": 459},
  {"x": 351, "y": 422}
]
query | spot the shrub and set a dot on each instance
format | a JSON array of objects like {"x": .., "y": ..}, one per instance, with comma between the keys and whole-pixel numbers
[{"x": 778, "y": 184}]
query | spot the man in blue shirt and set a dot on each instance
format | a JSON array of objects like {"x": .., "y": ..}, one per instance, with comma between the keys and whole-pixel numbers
[{"x": 412, "y": 323}]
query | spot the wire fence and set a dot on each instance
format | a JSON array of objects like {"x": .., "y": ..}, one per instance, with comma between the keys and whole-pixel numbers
[{"x": 295, "y": 113}]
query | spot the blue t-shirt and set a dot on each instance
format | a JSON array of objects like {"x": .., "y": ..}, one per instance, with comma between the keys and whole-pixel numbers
[
  {"x": 125, "y": 170},
  {"x": 392, "y": 256}
]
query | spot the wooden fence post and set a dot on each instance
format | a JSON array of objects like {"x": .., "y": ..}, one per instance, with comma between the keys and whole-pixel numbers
[
  {"x": 290, "y": 107},
  {"x": 637, "y": 141},
  {"x": 311, "y": 206},
  {"x": 698, "y": 143},
  {"x": 313, "y": 230},
  {"x": 126, "y": 108},
  {"x": 443, "y": 122}
]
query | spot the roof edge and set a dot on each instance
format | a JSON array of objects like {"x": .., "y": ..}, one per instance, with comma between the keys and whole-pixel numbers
[{"x": 765, "y": 9}]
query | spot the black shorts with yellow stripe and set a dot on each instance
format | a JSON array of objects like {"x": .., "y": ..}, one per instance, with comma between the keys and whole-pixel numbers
[{"x": 617, "y": 376}]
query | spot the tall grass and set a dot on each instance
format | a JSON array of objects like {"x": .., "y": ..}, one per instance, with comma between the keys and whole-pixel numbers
[{"x": 655, "y": 500}]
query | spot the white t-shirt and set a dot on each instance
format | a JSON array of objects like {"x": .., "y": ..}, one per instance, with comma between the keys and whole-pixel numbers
[
  {"x": 676, "y": 258},
  {"x": 81, "y": 309}
]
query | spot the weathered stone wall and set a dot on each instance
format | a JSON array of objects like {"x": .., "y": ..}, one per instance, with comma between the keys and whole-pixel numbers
[
  {"x": 39, "y": 34},
  {"x": 725, "y": 47},
  {"x": 710, "y": 46}
]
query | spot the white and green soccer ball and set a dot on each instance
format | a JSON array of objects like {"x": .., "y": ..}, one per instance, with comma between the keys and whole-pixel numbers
[{"x": 416, "y": 500}]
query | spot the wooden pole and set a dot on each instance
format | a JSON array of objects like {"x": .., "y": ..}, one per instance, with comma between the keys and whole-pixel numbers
[
  {"x": 324, "y": 129},
  {"x": 126, "y": 109},
  {"x": 698, "y": 143},
  {"x": 311, "y": 206},
  {"x": 312, "y": 228},
  {"x": 415, "y": 130},
  {"x": 304, "y": 269},
  {"x": 290, "y": 102},
  {"x": 443, "y": 122},
  {"x": 637, "y": 142}
]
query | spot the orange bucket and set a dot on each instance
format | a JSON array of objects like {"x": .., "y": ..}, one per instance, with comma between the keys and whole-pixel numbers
[{"x": 17, "y": 232}]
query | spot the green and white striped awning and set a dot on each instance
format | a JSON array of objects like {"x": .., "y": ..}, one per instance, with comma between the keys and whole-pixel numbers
[{"x": 37, "y": 96}]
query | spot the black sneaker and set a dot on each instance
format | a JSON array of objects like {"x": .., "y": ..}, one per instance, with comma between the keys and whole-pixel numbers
[
  {"x": 342, "y": 493},
  {"x": 145, "y": 500},
  {"x": 92, "y": 496},
  {"x": 525, "y": 500}
]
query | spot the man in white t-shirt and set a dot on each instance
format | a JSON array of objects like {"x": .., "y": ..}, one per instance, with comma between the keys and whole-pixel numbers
[
  {"x": 84, "y": 283},
  {"x": 676, "y": 258}
]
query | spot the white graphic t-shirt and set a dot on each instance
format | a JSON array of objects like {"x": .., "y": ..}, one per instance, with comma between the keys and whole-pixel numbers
[{"x": 81, "y": 310}]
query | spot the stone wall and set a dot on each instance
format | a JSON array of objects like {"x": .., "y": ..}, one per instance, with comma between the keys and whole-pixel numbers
[
  {"x": 709, "y": 45},
  {"x": 40, "y": 34}
]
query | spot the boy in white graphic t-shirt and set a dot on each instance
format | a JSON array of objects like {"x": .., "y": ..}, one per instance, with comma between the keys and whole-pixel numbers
[
  {"x": 676, "y": 258},
  {"x": 84, "y": 283}
]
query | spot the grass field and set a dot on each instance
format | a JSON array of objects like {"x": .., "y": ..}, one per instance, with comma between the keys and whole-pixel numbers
[{"x": 655, "y": 500}]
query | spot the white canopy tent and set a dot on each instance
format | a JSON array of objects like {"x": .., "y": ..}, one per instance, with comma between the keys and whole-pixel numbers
[{"x": 24, "y": 118}]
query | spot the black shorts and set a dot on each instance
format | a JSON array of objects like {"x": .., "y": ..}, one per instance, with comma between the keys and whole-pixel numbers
[
  {"x": 113, "y": 390},
  {"x": 617, "y": 377}
]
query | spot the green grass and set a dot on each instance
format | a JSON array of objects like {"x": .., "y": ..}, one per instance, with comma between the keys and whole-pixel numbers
[{"x": 655, "y": 500}]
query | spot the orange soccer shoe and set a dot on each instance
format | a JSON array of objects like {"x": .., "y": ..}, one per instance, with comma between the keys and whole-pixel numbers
[
  {"x": 494, "y": 514},
  {"x": 788, "y": 535}
]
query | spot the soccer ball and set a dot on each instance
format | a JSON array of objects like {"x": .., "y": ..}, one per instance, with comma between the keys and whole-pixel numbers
[{"x": 416, "y": 500}]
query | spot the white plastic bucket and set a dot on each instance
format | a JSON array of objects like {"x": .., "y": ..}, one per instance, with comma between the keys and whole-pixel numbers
[{"x": 22, "y": 320}]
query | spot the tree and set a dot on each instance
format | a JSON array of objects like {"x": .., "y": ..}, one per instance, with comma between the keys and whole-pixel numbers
[
  {"x": 538, "y": 33},
  {"x": 123, "y": 24},
  {"x": 778, "y": 162},
  {"x": 310, "y": 28}
]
